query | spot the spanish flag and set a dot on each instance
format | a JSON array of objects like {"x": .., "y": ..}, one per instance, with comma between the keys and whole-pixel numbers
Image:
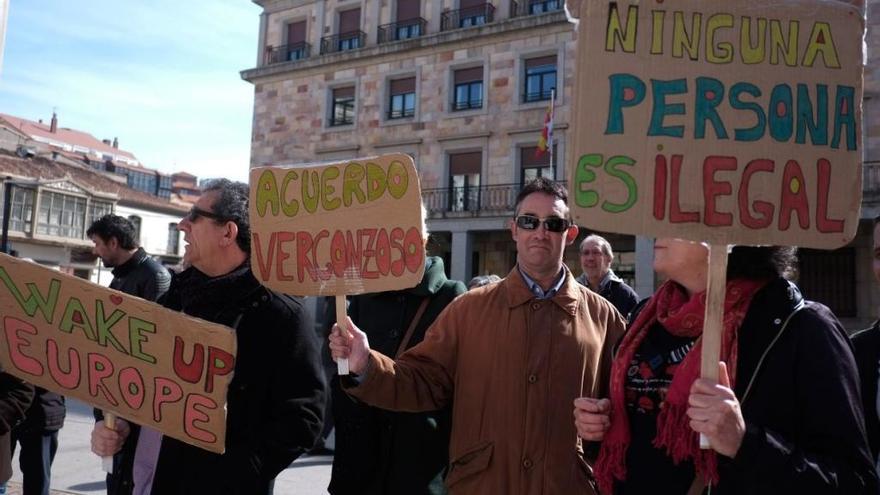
[{"x": 545, "y": 142}]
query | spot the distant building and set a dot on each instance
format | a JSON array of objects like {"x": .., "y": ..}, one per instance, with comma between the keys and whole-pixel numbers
[{"x": 53, "y": 203}]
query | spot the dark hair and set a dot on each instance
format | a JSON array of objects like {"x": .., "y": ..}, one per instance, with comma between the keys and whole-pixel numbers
[
  {"x": 232, "y": 206},
  {"x": 112, "y": 226},
  {"x": 760, "y": 262},
  {"x": 876, "y": 220},
  {"x": 541, "y": 185}
]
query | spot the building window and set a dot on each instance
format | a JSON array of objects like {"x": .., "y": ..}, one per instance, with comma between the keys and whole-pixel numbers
[
  {"x": 533, "y": 166},
  {"x": 61, "y": 215},
  {"x": 830, "y": 278},
  {"x": 349, "y": 30},
  {"x": 540, "y": 7},
  {"x": 296, "y": 37},
  {"x": 403, "y": 98},
  {"x": 173, "y": 239},
  {"x": 464, "y": 181},
  {"x": 98, "y": 209},
  {"x": 468, "y": 89},
  {"x": 540, "y": 78},
  {"x": 22, "y": 212},
  {"x": 342, "y": 108},
  {"x": 136, "y": 221},
  {"x": 408, "y": 25}
]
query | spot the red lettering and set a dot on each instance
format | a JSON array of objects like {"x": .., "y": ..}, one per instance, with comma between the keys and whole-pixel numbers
[
  {"x": 823, "y": 189},
  {"x": 414, "y": 246},
  {"x": 303, "y": 246},
  {"x": 338, "y": 255},
  {"x": 793, "y": 197},
  {"x": 220, "y": 363},
  {"x": 166, "y": 391},
  {"x": 190, "y": 372},
  {"x": 100, "y": 368},
  {"x": 353, "y": 254},
  {"x": 383, "y": 252},
  {"x": 660, "y": 187},
  {"x": 281, "y": 255},
  {"x": 763, "y": 208},
  {"x": 131, "y": 387},
  {"x": 398, "y": 265},
  {"x": 68, "y": 379},
  {"x": 321, "y": 273},
  {"x": 17, "y": 343},
  {"x": 194, "y": 413},
  {"x": 368, "y": 253},
  {"x": 265, "y": 267},
  {"x": 675, "y": 213},
  {"x": 712, "y": 188}
]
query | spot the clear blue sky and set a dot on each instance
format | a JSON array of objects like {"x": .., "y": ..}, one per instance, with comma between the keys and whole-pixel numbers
[{"x": 161, "y": 75}]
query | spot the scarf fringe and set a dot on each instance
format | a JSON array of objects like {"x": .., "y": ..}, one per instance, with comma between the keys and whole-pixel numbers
[
  {"x": 672, "y": 420},
  {"x": 610, "y": 466}
]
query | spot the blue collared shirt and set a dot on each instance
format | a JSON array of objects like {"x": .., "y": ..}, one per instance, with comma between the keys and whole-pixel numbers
[{"x": 537, "y": 290}]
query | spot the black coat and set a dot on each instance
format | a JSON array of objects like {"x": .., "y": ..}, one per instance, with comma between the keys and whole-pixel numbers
[
  {"x": 15, "y": 397},
  {"x": 141, "y": 276},
  {"x": 46, "y": 413},
  {"x": 276, "y": 397},
  {"x": 380, "y": 452},
  {"x": 805, "y": 431},
  {"x": 867, "y": 350}
]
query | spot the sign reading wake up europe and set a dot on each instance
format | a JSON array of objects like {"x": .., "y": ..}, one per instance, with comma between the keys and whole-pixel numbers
[
  {"x": 119, "y": 353},
  {"x": 336, "y": 229},
  {"x": 728, "y": 122}
]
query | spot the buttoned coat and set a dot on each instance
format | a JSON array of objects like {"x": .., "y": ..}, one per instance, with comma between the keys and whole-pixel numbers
[{"x": 511, "y": 365}]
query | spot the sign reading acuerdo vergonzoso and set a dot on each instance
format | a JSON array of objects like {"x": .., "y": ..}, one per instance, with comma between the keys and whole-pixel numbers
[
  {"x": 733, "y": 122},
  {"x": 337, "y": 229},
  {"x": 117, "y": 352}
]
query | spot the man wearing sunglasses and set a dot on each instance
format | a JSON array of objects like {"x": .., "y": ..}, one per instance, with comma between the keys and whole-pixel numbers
[
  {"x": 275, "y": 403},
  {"x": 510, "y": 358}
]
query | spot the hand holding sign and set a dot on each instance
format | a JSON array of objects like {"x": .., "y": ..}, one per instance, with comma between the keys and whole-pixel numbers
[{"x": 337, "y": 229}]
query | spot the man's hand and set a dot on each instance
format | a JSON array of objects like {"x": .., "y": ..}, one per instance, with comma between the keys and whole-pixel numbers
[
  {"x": 351, "y": 345},
  {"x": 715, "y": 412},
  {"x": 592, "y": 418},
  {"x": 107, "y": 442}
]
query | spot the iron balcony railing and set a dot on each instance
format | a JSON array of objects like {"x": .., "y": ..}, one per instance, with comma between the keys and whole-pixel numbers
[
  {"x": 287, "y": 53},
  {"x": 343, "y": 41},
  {"x": 871, "y": 180},
  {"x": 526, "y": 7},
  {"x": 458, "y": 105},
  {"x": 471, "y": 16},
  {"x": 493, "y": 200},
  {"x": 402, "y": 30},
  {"x": 537, "y": 96}
]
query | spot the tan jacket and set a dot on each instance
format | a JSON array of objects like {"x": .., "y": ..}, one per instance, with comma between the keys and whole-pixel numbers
[{"x": 512, "y": 366}]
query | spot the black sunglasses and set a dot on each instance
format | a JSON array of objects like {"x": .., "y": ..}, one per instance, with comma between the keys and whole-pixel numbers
[
  {"x": 195, "y": 213},
  {"x": 552, "y": 224}
]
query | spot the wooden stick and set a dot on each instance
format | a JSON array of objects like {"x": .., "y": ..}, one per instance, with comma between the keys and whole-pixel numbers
[
  {"x": 712, "y": 324},
  {"x": 341, "y": 364},
  {"x": 107, "y": 460}
]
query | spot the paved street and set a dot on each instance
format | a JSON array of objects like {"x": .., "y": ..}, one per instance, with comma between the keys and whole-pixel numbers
[{"x": 76, "y": 470}]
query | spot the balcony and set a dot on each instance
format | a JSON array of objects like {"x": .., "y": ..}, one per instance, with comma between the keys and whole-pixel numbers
[
  {"x": 288, "y": 53},
  {"x": 402, "y": 30},
  {"x": 484, "y": 201},
  {"x": 343, "y": 42},
  {"x": 471, "y": 16},
  {"x": 534, "y": 7},
  {"x": 871, "y": 181}
]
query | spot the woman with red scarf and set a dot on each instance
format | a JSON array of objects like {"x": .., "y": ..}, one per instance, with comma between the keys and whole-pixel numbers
[{"x": 785, "y": 417}]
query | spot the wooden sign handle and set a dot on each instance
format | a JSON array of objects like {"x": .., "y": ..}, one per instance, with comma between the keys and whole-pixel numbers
[
  {"x": 341, "y": 364},
  {"x": 712, "y": 324},
  {"x": 107, "y": 460}
]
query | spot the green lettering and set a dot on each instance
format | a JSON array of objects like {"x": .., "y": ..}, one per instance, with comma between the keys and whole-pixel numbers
[
  {"x": 611, "y": 168},
  {"x": 104, "y": 325},
  {"x": 267, "y": 193},
  {"x": 292, "y": 207},
  {"x": 36, "y": 300},
  {"x": 327, "y": 177},
  {"x": 584, "y": 175},
  {"x": 398, "y": 179},
  {"x": 375, "y": 182},
  {"x": 310, "y": 198},
  {"x": 136, "y": 337},
  {"x": 351, "y": 183},
  {"x": 75, "y": 317}
]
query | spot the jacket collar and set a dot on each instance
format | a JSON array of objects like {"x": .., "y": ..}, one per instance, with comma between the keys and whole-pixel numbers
[
  {"x": 518, "y": 292},
  {"x": 136, "y": 259}
]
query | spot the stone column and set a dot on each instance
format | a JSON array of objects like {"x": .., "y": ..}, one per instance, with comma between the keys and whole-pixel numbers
[
  {"x": 644, "y": 266},
  {"x": 461, "y": 256}
]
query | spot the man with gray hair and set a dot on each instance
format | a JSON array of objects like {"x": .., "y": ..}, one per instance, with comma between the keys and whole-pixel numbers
[{"x": 596, "y": 258}]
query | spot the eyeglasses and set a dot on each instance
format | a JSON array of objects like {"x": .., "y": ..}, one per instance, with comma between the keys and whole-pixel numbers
[
  {"x": 552, "y": 224},
  {"x": 196, "y": 212}
]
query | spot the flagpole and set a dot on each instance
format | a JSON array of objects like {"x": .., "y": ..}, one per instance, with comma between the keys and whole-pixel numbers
[{"x": 550, "y": 135}]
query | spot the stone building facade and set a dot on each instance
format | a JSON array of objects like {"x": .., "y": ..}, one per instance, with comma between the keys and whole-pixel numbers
[
  {"x": 463, "y": 87},
  {"x": 473, "y": 155}
]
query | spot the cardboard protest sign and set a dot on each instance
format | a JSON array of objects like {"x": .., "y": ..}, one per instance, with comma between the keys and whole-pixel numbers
[
  {"x": 117, "y": 352},
  {"x": 335, "y": 229},
  {"x": 735, "y": 122}
]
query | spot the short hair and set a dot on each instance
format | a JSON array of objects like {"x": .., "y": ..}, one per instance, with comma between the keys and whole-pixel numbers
[
  {"x": 481, "y": 280},
  {"x": 603, "y": 243},
  {"x": 231, "y": 205},
  {"x": 112, "y": 226},
  {"x": 541, "y": 185},
  {"x": 761, "y": 262}
]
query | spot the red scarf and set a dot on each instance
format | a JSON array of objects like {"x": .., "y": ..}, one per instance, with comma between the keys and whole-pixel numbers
[{"x": 681, "y": 316}]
